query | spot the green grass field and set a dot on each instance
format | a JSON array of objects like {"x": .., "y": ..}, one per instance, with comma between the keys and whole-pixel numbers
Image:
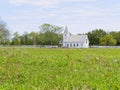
[{"x": 59, "y": 69}]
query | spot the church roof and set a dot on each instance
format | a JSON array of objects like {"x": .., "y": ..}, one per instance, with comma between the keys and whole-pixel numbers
[{"x": 76, "y": 38}]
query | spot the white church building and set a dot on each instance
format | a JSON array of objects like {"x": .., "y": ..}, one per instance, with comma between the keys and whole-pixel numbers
[{"x": 74, "y": 41}]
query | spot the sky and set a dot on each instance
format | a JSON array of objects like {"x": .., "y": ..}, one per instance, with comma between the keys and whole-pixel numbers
[{"x": 80, "y": 16}]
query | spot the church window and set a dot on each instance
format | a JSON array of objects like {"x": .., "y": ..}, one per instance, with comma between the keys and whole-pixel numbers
[
  {"x": 77, "y": 44},
  {"x": 67, "y": 45},
  {"x": 74, "y": 44}
]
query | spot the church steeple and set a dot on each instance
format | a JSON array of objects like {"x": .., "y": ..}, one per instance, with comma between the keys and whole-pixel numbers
[
  {"x": 66, "y": 33},
  {"x": 66, "y": 30}
]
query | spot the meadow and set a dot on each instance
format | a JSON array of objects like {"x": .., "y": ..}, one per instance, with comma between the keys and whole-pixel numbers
[{"x": 59, "y": 69}]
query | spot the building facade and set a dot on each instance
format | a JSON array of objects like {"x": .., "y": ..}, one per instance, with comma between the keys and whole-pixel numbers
[{"x": 74, "y": 41}]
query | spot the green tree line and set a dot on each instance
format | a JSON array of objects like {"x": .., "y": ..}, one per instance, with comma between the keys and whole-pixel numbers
[
  {"x": 48, "y": 35},
  {"x": 103, "y": 38},
  {"x": 52, "y": 35}
]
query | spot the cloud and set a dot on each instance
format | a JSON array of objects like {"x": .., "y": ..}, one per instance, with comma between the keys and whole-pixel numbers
[
  {"x": 44, "y": 2},
  {"x": 85, "y": 15},
  {"x": 19, "y": 1},
  {"x": 34, "y": 2}
]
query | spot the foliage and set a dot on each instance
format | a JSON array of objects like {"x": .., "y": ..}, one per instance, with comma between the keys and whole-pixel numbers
[
  {"x": 51, "y": 34},
  {"x": 29, "y": 38},
  {"x": 50, "y": 28},
  {"x": 16, "y": 39},
  {"x": 95, "y": 35},
  {"x": 108, "y": 40},
  {"x": 4, "y": 33},
  {"x": 48, "y": 35},
  {"x": 35, "y": 38},
  {"x": 59, "y": 69},
  {"x": 116, "y": 35}
]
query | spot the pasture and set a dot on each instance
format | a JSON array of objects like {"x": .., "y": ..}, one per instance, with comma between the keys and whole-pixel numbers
[{"x": 59, "y": 69}]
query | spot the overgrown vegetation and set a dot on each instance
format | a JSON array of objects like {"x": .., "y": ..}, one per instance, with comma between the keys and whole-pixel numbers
[{"x": 59, "y": 69}]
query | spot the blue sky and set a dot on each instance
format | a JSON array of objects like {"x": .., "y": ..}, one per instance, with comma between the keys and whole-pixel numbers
[{"x": 80, "y": 16}]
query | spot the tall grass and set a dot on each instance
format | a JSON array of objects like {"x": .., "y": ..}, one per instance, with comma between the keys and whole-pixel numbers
[{"x": 59, "y": 69}]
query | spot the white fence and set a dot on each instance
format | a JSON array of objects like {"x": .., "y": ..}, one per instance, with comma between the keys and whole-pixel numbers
[
  {"x": 30, "y": 46},
  {"x": 104, "y": 46},
  {"x": 52, "y": 46}
]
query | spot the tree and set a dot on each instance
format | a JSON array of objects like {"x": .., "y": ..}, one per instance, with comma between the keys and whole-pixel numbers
[
  {"x": 103, "y": 41},
  {"x": 26, "y": 39},
  {"x": 95, "y": 35},
  {"x": 4, "y": 33},
  {"x": 51, "y": 28},
  {"x": 51, "y": 34},
  {"x": 108, "y": 40},
  {"x": 116, "y": 36},
  {"x": 16, "y": 39},
  {"x": 35, "y": 38}
]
